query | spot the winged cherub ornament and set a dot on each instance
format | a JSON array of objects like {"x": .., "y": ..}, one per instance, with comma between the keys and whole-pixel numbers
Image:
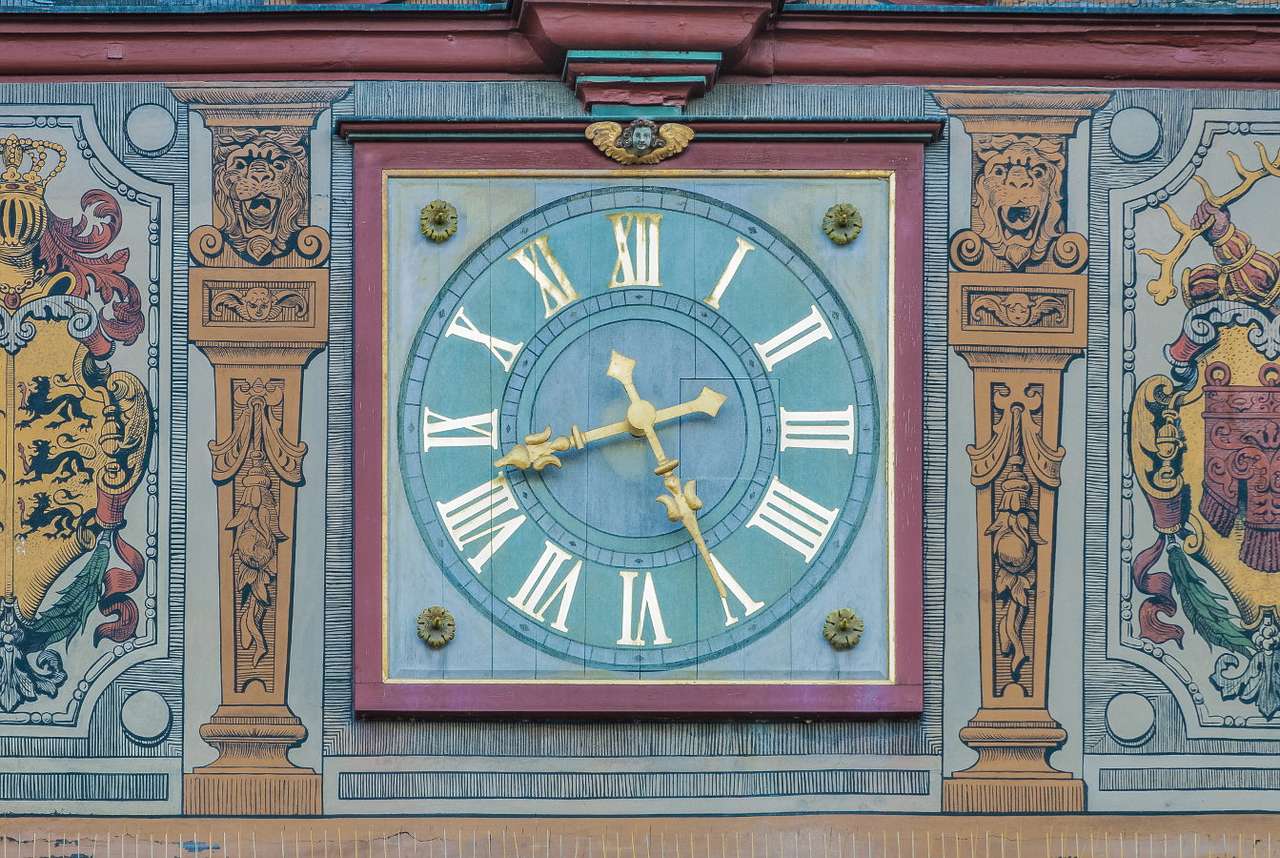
[{"x": 641, "y": 142}]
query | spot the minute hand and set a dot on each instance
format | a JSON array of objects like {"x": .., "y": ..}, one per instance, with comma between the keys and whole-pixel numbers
[
  {"x": 539, "y": 451},
  {"x": 682, "y": 503}
]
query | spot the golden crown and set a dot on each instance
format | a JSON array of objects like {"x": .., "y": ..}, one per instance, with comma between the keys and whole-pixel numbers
[{"x": 18, "y": 153}]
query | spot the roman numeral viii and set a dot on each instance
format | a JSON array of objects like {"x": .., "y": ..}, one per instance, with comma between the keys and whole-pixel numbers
[
  {"x": 533, "y": 599},
  {"x": 793, "y": 519},
  {"x": 638, "y": 231},
  {"x": 487, "y": 513}
]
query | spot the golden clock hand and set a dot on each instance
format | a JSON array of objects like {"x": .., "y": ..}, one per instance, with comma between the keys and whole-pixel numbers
[
  {"x": 707, "y": 402},
  {"x": 640, "y": 414},
  {"x": 682, "y": 505},
  {"x": 538, "y": 451},
  {"x": 682, "y": 502}
]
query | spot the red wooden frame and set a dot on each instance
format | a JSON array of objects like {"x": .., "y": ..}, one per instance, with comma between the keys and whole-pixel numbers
[
  {"x": 906, "y": 46},
  {"x": 509, "y": 146}
]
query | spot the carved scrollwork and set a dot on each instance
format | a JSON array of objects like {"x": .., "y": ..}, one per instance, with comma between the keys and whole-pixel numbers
[
  {"x": 1070, "y": 253},
  {"x": 1017, "y": 464},
  {"x": 259, "y": 459},
  {"x": 257, "y": 429},
  {"x": 206, "y": 245}
]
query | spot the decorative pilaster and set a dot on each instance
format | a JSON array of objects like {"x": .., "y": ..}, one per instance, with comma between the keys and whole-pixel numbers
[
  {"x": 259, "y": 301},
  {"x": 1018, "y": 304}
]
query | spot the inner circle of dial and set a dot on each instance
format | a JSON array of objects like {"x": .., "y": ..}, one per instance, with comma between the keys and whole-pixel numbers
[{"x": 726, "y": 454}]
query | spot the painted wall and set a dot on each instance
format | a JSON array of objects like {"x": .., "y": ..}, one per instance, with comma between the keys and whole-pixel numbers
[{"x": 1162, "y": 636}]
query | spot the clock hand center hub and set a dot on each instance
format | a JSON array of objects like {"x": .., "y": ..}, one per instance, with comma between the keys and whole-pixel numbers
[{"x": 642, "y": 416}]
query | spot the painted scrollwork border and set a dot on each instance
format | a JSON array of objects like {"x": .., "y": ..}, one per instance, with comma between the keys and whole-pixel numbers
[
  {"x": 1129, "y": 274},
  {"x": 119, "y": 179}
]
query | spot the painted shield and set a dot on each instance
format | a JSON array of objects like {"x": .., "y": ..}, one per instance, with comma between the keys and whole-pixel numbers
[{"x": 76, "y": 433}]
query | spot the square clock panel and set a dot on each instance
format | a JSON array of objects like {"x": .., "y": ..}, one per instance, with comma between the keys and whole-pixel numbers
[{"x": 645, "y": 441}]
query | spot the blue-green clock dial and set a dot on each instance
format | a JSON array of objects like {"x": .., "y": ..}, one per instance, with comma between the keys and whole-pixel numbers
[{"x": 638, "y": 428}]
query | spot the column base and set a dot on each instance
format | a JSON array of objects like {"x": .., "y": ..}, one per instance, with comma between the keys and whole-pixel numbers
[
  {"x": 1012, "y": 774},
  {"x": 253, "y": 775},
  {"x": 1013, "y": 795}
]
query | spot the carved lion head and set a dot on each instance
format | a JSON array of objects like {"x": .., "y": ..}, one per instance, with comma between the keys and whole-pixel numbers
[
  {"x": 1018, "y": 195},
  {"x": 260, "y": 189}
]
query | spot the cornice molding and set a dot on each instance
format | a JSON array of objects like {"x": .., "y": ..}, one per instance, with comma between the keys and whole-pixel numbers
[
  {"x": 381, "y": 130},
  {"x": 933, "y": 48}
]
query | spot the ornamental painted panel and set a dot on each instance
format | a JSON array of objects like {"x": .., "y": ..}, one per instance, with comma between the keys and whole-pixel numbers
[
  {"x": 1200, "y": 535},
  {"x": 637, "y": 432},
  {"x": 81, "y": 597}
]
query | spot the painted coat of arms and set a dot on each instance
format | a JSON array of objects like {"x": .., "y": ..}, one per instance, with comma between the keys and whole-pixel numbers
[{"x": 76, "y": 433}]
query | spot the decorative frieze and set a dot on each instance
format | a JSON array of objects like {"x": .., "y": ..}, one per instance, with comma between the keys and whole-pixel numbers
[
  {"x": 259, "y": 312},
  {"x": 1018, "y": 317}
]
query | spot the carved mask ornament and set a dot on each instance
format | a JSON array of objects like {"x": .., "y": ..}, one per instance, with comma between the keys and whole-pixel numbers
[
  {"x": 1017, "y": 195},
  {"x": 260, "y": 188}
]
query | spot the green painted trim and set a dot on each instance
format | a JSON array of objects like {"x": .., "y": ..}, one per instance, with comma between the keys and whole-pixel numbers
[
  {"x": 642, "y": 78},
  {"x": 632, "y": 111},
  {"x": 645, "y": 56}
]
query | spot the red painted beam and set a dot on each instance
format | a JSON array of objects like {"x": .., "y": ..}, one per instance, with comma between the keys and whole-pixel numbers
[
  {"x": 353, "y": 45},
  {"x": 909, "y": 47},
  {"x": 938, "y": 47}
]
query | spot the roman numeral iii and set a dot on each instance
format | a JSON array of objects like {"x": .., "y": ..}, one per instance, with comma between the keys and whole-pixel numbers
[
  {"x": 793, "y": 519},
  {"x": 798, "y": 337},
  {"x": 474, "y": 431},
  {"x": 488, "y": 512},
  {"x": 503, "y": 351},
  {"x": 633, "y": 626},
  {"x": 638, "y": 230},
  {"x": 556, "y": 290},
  {"x": 533, "y": 599},
  {"x": 817, "y": 430}
]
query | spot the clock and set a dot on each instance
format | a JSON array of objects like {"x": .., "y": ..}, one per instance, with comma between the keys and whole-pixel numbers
[
  {"x": 635, "y": 441},
  {"x": 638, "y": 428}
]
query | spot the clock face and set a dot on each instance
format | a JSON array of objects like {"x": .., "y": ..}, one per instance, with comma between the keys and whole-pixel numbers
[{"x": 638, "y": 428}]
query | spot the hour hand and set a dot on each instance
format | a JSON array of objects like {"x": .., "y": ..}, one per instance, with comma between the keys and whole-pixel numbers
[{"x": 538, "y": 451}]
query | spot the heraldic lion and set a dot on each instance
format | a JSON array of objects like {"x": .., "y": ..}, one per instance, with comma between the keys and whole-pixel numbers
[
  {"x": 260, "y": 189},
  {"x": 1018, "y": 196}
]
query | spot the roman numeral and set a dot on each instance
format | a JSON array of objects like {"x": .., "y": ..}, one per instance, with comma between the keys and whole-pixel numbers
[
  {"x": 632, "y": 625},
  {"x": 793, "y": 519},
  {"x": 640, "y": 269},
  {"x": 556, "y": 293},
  {"x": 461, "y": 326},
  {"x": 474, "y": 431},
  {"x": 475, "y": 515},
  {"x": 801, "y": 335},
  {"x": 817, "y": 430},
  {"x": 749, "y": 605},
  {"x": 726, "y": 277},
  {"x": 530, "y": 598}
]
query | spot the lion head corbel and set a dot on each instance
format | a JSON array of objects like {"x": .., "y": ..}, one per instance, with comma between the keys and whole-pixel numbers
[
  {"x": 261, "y": 189},
  {"x": 1018, "y": 214}
]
